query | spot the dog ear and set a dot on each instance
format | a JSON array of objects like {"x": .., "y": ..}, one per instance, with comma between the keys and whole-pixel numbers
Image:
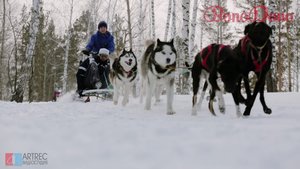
[
  {"x": 158, "y": 41},
  {"x": 130, "y": 50},
  {"x": 123, "y": 51},
  {"x": 270, "y": 30},
  {"x": 249, "y": 27},
  {"x": 172, "y": 41}
]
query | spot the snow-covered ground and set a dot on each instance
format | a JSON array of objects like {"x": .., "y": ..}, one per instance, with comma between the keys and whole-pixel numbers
[{"x": 100, "y": 135}]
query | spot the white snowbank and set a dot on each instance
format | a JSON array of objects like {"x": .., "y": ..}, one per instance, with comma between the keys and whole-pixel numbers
[{"x": 100, "y": 135}]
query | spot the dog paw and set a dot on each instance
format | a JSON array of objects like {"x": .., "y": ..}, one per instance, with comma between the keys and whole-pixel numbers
[
  {"x": 170, "y": 113},
  {"x": 194, "y": 111},
  {"x": 268, "y": 111},
  {"x": 246, "y": 113},
  {"x": 239, "y": 114},
  {"x": 222, "y": 109},
  {"x": 242, "y": 100},
  {"x": 211, "y": 108},
  {"x": 147, "y": 107},
  {"x": 124, "y": 102}
]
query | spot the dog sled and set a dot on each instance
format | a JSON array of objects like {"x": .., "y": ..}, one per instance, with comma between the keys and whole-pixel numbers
[
  {"x": 93, "y": 76},
  {"x": 97, "y": 94}
]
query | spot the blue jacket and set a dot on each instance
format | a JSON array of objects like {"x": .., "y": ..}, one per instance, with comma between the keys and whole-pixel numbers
[{"x": 99, "y": 40}]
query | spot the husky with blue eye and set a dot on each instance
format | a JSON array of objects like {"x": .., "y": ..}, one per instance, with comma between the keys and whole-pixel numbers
[
  {"x": 158, "y": 68},
  {"x": 123, "y": 75}
]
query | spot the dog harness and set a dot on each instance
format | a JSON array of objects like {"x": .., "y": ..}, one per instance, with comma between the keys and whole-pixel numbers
[
  {"x": 258, "y": 66},
  {"x": 209, "y": 51}
]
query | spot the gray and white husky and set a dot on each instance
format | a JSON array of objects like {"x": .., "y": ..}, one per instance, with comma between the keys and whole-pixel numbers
[
  {"x": 123, "y": 75},
  {"x": 158, "y": 68}
]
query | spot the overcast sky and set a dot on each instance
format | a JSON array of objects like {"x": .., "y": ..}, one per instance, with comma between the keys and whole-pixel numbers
[{"x": 60, "y": 12}]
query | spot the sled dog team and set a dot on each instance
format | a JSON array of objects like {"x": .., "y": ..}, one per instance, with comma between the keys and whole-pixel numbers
[{"x": 232, "y": 66}]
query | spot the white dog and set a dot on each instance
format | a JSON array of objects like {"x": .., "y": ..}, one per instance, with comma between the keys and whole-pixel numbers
[
  {"x": 123, "y": 75},
  {"x": 158, "y": 68}
]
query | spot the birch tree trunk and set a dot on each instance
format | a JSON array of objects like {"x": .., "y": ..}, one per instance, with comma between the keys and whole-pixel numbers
[
  {"x": 185, "y": 37},
  {"x": 185, "y": 28},
  {"x": 192, "y": 47},
  {"x": 44, "y": 96},
  {"x": 168, "y": 20},
  {"x": 201, "y": 35},
  {"x": 65, "y": 75},
  {"x": 297, "y": 46},
  {"x": 289, "y": 53},
  {"x": 18, "y": 95},
  {"x": 129, "y": 23},
  {"x": 141, "y": 23},
  {"x": 134, "y": 92},
  {"x": 173, "y": 30},
  {"x": 108, "y": 13},
  {"x": 12, "y": 83},
  {"x": 271, "y": 78},
  {"x": 153, "y": 20},
  {"x": 2, "y": 51}
]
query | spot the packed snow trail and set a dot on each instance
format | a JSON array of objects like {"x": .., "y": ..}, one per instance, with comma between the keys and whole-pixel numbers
[{"x": 100, "y": 135}]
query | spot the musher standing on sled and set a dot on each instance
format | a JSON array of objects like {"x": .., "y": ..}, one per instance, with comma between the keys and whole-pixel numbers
[{"x": 102, "y": 39}]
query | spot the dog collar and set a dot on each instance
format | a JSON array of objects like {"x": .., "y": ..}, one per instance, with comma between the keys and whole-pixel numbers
[{"x": 155, "y": 68}]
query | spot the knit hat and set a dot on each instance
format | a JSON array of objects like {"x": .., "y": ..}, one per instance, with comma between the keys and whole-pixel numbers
[
  {"x": 103, "y": 51},
  {"x": 102, "y": 24}
]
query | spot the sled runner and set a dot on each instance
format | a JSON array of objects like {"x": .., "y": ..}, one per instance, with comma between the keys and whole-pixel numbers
[{"x": 103, "y": 94}]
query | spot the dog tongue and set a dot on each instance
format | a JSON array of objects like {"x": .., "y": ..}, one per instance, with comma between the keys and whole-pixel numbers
[{"x": 128, "y": 63}]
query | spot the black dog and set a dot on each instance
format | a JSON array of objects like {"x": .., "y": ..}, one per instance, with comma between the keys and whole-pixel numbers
[
  {"x": 212, "y": 61},
  {"x": 255, "y": 53}
]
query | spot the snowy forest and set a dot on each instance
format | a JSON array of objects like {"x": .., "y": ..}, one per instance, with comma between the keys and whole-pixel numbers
[{"x": 41, "y": 40}]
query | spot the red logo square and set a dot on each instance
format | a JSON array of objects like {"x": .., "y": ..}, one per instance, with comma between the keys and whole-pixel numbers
[{"x": 8, "y": 159}]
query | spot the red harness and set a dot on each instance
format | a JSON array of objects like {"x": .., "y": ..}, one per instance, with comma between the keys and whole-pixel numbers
[
  {"x": 258, "y": 66},
  {"x": 209, "y": 51}
]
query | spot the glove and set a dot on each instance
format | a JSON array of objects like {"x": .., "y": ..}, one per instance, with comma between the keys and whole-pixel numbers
[
  {"x": 86, "y": 52},
  {"x": 101, "y": 68}
]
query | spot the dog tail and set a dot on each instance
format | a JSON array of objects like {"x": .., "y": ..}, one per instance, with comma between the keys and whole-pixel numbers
[
  {"x": 149, "y": 42},
  {"x": 146, "y": 56},
  {"x": 196, "y": 73}
]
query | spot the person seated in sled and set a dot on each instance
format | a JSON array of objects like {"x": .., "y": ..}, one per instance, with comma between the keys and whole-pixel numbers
[
  {"x": 101, "y": 39},
  {"x": 93, "y": 72}
]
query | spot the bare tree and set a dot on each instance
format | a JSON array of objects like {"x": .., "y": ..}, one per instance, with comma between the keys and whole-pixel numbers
[
  {"x": 141, "y": 23},
  {"x": 192, "y": 46},
  {"x": 173, "y": 29},
  {"x": 26, "y": 66},
  {"x": 12, "y": 61},
  {"x": 297, "y": 46},
  {"x": 271, "y": 78},
  {"x": 129, "y": 23},
  {"x": 168, "y": 20},
  {"x": 152, "y": 19},
  {"x": 185, "y": 36},
  {"x": 65, "y": 75},
  {"x": 2, "y": 49}
]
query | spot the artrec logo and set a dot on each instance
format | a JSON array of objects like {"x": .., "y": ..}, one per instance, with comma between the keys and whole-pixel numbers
[{"x": 19, "y": 159}]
